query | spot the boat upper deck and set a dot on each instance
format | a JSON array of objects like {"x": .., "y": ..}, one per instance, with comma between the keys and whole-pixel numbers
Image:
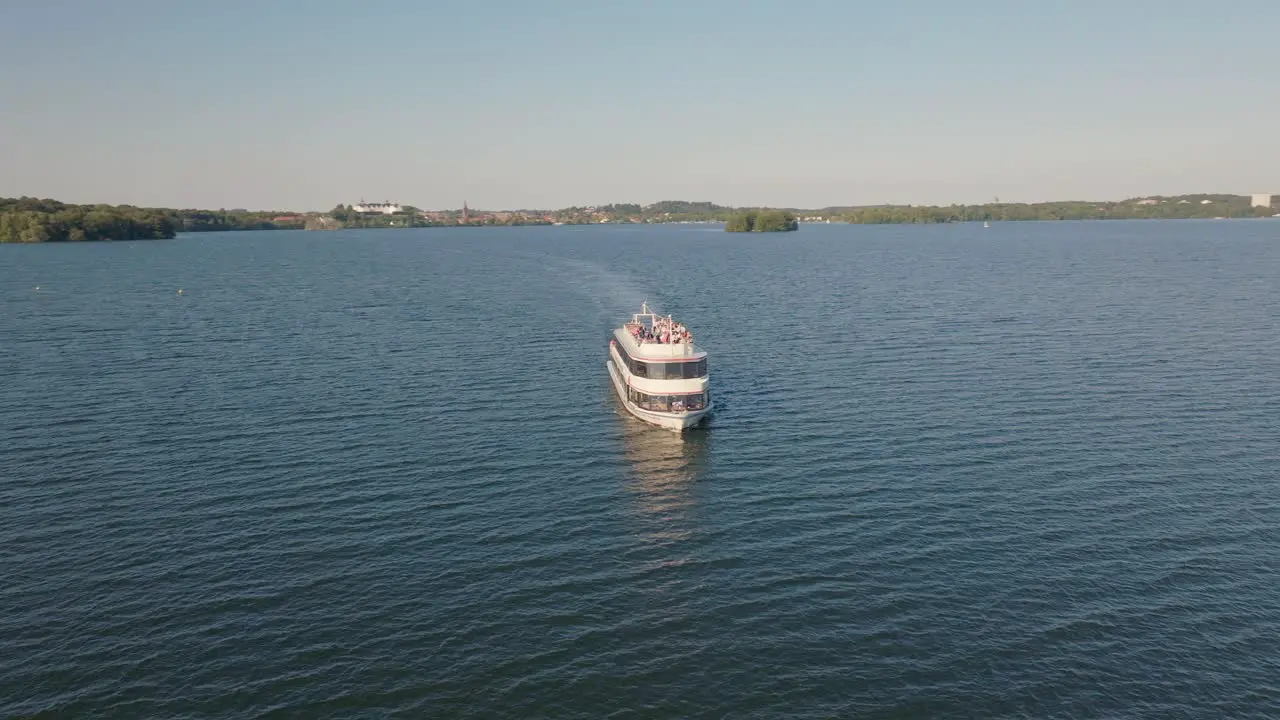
[
  {"x": 658, "y": 336},
  {"x": 657, "y": 351}
]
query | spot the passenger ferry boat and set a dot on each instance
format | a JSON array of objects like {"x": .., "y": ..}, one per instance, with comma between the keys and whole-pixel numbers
[{"x": 659, "y": 374}]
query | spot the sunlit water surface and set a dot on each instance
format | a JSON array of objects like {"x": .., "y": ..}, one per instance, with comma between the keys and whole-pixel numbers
[{"x": 1023, "y": 471}]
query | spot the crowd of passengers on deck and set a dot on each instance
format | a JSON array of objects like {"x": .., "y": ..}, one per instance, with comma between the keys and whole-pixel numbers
[{"x": 665, "y": 331}]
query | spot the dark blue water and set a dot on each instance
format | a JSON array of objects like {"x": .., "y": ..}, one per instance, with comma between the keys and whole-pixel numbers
[{"x": 1024, "y": 471}]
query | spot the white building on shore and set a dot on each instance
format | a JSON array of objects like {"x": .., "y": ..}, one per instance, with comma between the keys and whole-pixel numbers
[
  {"x": 1263, "y": 200},
  {"x": 386, "y": 208}
]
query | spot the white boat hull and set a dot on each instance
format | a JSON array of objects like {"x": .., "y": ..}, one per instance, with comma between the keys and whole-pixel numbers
[{"x": 670, "y": 421}]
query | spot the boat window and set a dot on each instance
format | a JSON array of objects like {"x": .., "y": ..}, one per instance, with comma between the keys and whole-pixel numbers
[
  {"x": 689, "y": 370},
  {"x": 695, "y": 369},
  {"x": 677, "y": 370},
  {"x": 636, "y": 367},
  {"x": 668, "y": 403}
]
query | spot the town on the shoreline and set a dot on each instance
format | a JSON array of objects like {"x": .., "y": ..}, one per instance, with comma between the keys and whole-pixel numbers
[
  {"x": 33, "y": 220},
  {"x": 1206, "y": 206}
]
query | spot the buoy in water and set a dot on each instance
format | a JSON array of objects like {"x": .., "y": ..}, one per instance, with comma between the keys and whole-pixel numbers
[{"x": 179, "y": 291}]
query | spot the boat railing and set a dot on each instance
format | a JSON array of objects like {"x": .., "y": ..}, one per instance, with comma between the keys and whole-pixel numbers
[{"x": 686, "y": 348}]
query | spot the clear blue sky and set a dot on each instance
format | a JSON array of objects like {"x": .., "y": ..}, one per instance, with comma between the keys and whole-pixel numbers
[{"x": 303, "y": 104}]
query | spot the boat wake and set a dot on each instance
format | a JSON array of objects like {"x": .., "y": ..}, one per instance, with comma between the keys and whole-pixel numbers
[{"x": 610, "y": 291}]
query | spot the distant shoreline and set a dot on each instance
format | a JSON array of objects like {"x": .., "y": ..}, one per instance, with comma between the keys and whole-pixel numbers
[{"x": 32, "y": 220}]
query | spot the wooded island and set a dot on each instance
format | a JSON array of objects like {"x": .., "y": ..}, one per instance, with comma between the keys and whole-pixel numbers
[{"x": 762, "y": 221}]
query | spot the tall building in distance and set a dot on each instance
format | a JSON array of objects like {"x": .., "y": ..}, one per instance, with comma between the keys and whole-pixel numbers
[
  {"x": 1262, "y": 199},
  {"x": 464, "y": 212}
]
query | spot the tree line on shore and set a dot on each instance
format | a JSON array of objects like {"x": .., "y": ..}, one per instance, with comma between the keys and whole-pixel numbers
[
  {"x": 33, "y": 220},
  {"x": 28, "y": 220},
  {"x": 1182, "y": 207}
]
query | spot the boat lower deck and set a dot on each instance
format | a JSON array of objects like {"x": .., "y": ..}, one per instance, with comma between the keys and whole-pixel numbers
[{"x": 670, "y": 420}]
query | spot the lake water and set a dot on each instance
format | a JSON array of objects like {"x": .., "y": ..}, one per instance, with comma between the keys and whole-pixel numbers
[{"x": 1024, "y": 471}]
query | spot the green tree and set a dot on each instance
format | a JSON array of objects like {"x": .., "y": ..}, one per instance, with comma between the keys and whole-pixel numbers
[
  {"x": 35, "y": 230},
  {"x": 741, "y": 222}
]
